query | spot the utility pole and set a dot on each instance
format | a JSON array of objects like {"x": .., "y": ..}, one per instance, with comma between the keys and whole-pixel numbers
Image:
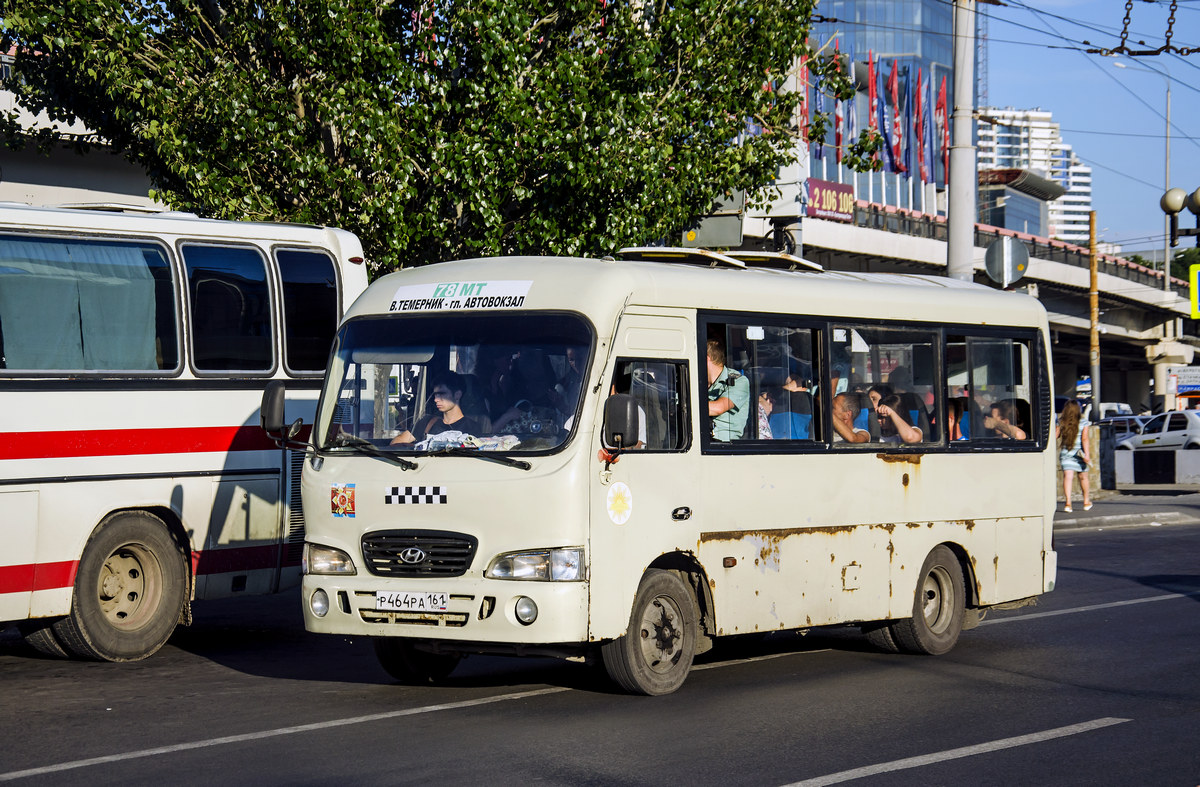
[
  {"x": 1094, "y": 309},
  {"x": 963, "y": 179}
]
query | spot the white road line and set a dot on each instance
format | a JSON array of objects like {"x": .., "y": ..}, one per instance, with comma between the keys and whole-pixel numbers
[
  {"x": 254, "y": 736},
  {"x": 1090, "y": 608},
  {"x": 952, "y": 754}
]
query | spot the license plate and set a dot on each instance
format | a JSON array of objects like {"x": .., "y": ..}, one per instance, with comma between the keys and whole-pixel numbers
[{"x": 411, "y": 602}]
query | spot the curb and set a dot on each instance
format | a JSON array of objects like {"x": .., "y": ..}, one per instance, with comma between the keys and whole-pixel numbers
[{"x": 1148, "y": 519}]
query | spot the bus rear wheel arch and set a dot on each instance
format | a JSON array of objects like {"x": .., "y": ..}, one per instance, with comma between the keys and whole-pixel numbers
[
  {"x": 939, "y": 603},
  {"x": 130, "y": 590},
  {"x": 656, "y": 652}
]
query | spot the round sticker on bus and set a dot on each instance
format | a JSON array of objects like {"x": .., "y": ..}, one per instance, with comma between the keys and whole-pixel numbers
[{"x": 620, "y": 503}]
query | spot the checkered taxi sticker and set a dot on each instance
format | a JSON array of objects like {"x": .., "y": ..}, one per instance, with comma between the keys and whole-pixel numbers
[{"x": 415, "y": 495}]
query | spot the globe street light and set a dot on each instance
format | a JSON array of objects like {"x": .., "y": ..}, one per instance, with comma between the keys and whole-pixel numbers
[{"x": 1167, "y": 155}]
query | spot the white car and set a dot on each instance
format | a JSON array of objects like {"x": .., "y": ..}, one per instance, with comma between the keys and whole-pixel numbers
[{"x": 1180, "y": 429}]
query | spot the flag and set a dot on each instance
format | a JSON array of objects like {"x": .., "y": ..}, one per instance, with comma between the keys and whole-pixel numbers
[
  {"x": 873, "y": 120},
  {"x": 918, "y": 129},
  {"x": 943, "y": 122},
  {"x": 852, "y": 105},
  {"x": 839, "y": 111},
  {"x": 907, "y": 165},
  {"x": 896, "y": 145},
  {"x": 803, "y": 87},
  {"x": 818, "y": 108},
  {"x": 927, "y": 131}
]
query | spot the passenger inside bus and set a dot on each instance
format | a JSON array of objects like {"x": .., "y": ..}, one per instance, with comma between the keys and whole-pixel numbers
[
  {"x": 728, "y": 396},
  {"x": 893, "y": 422},
  {"x": 447, "y": 393},
  {"x": 1005, "y": 420},
  {"x": 845, "y": 410}
]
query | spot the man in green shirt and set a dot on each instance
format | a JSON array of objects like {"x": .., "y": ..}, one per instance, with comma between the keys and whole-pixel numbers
[{"x": 728, "y": 396}]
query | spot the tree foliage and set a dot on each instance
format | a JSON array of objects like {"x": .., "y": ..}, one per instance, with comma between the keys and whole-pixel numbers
[{"x": 433, "y": 130}]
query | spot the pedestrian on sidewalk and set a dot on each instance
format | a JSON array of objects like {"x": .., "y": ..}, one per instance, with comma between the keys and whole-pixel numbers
[{"x": 1074, "y": 453}]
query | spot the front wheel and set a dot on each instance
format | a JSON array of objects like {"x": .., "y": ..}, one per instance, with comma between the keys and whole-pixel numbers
[
  {"x": 129, "y": 592},
  {"x": 410, "y": 665},
  {"x": 938, "y": 606},
  {"x": 656, "y": 653}
]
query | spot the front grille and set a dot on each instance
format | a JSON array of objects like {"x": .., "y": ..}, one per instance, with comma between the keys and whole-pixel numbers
[{"x": 444, "y": 554}]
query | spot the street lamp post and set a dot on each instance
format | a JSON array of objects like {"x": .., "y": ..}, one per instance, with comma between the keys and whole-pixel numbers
[{"x": 1167, "y": 174}]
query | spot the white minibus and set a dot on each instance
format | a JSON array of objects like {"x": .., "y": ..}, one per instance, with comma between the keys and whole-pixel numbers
[
  {"x": 623, "y": 459},
  {"x": 134, "y": 474}
]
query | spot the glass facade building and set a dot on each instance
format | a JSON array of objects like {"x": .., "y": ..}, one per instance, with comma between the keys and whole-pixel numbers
[{"x": 913, "y": 34}]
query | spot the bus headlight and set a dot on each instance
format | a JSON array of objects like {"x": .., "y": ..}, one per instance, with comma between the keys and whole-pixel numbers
[
  {"x": 326, "y": 560},
  {"x": 552, "y": 565}
]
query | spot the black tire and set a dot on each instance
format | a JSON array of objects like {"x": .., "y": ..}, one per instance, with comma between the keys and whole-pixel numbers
[
  {"x": 938, "y": 604},
  {"x": 881, "y": 637},
  {"x": 655, "y": 655},
  {"x": 412, "y": 666},
  {"x": 129, "y": 593},
  {"x": 39, "y": 635}
]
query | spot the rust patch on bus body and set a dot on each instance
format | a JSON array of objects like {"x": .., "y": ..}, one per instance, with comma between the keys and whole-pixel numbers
[
  {"x": 782, "y": 533},
  {"x": 912, "y": 459}
]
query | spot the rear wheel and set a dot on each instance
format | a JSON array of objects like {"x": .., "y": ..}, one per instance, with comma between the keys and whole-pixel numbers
[
  {"x": 129, "y": 593},
  {"x": 410, "y": 665},
  {"x": 39, "y": 635},
  {"x": 938, "y": 606},
  {"x": 655, "y": 655}
]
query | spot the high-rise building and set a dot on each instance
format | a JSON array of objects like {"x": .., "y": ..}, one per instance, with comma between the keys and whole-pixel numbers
[{"x": 1029, "y": 139}]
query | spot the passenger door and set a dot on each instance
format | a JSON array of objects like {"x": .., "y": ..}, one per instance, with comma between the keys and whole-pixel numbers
[
  {"x": 646, "y": 503},
  {"x": 1176, "y": 431},
  {"x": 1152, "y": 433}
]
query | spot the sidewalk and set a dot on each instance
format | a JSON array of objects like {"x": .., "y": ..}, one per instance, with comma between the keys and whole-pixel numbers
[{"x": 1125, "y": 508}]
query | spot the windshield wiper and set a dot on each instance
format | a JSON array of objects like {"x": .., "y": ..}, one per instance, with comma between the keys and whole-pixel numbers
[
  {"x": 343, "y": 440},
  {"x": 458, "y": 450}
]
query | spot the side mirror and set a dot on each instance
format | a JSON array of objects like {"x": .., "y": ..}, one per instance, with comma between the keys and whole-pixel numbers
[
  {"x": 271, "y": 413},
  {"x": 621, "y": 421}
]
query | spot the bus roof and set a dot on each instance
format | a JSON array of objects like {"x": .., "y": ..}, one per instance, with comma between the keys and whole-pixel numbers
[
  {"x": 126, "y": 220},
  {"x": 603, "y": 286}
]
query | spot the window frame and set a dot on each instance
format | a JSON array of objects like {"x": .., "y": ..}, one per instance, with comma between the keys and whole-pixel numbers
[
  {"x": 274, "y": 293},
  {"x": 173, "y": 267},
  {"x": 685, "y": 400},
  {"x": 339, "y": 307},
  {"x": 1041, "y": 408}
]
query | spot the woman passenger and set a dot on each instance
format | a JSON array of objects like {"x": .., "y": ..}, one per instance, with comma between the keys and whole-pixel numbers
[
  {"x": 893, "y": 427},
  {"x": 1005, "y": 421}
]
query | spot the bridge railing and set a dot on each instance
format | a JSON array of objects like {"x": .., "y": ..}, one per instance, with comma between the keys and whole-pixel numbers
[{"x": 923, "y": 225}]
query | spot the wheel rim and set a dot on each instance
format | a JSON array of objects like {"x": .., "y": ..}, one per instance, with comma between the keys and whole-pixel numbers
[
  {"x": 129, "y": 586},
  {"x": 938, "y": 600},
  {"x": 661, "y": 634}
]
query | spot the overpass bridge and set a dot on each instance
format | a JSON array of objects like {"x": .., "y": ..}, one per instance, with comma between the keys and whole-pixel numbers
[{"x": 1143, "y": 329}]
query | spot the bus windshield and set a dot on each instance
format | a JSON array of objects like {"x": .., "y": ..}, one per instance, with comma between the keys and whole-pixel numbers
[{"x": 493, "y": 381}]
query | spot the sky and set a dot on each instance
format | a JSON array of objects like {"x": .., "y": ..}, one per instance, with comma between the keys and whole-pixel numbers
[{"x": 1114, "y": 118}]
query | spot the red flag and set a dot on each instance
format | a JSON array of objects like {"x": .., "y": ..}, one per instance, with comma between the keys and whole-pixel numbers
[
  {"x": 872, "y": 92},
  {"x": 803, "y": 86},
  {"x": 919, "y": 110},
  {"x": 839, "y": 113},
  {"x": 897, "y": 130},
  {"x": 943, "y": 127}
]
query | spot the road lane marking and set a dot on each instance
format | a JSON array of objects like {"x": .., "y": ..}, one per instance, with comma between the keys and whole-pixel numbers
[
  {"x": 952, "y": 754},
  {"x": 254, "y": 736},
  {"x": 1090, "y": 608}
]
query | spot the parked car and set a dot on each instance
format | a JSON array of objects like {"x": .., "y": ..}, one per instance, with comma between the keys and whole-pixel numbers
[
  {"x": 1178, "y": 429},
  {"x": 1125, "y": 426}
]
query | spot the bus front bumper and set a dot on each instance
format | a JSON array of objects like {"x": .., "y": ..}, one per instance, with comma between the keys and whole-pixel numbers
[{"x": 459, "y": 609}]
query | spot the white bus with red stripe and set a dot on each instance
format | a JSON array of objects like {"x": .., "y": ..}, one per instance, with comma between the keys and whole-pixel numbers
[{"x": 134, "y": 475}]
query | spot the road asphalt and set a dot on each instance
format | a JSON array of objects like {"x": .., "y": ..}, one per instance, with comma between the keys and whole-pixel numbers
[{"x": 1125, "y": 508}]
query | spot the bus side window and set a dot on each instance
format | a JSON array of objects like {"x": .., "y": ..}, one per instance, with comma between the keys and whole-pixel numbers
[
  {"x": 230, "y": 308},
  {"x": 658, "y": 388},
  {"x": 994, "y": 377},
  {"x": 310, "y": 308}
]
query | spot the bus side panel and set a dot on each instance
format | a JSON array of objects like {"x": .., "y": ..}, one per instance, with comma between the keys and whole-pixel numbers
[
  {"x": 797, "y": 577},
  {"x": 242, "y": 549},
  {"x": 18, "y": 556}
]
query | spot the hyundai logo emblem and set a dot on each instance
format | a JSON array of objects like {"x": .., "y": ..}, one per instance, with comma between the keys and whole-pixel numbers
[{"x": 413, "y": 555}]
